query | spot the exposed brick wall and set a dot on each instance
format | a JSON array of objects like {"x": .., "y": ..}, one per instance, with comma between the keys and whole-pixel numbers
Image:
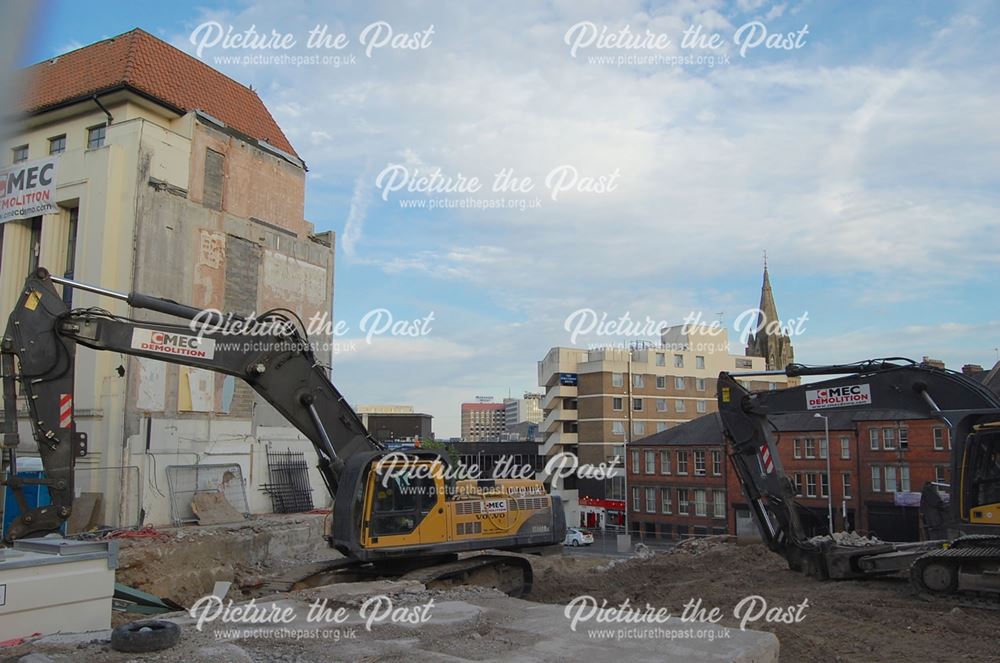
[{"x": 242, "y": 274}]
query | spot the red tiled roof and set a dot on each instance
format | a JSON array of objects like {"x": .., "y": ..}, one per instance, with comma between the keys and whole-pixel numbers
[{"x": 139, "y": 60}]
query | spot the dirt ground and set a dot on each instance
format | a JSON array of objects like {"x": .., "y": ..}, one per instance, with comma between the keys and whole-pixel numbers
[{"x": 871, "y": 620}]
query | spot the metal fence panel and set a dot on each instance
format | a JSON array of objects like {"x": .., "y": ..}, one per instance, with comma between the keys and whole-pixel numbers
[{"x": 186, "y": 481}]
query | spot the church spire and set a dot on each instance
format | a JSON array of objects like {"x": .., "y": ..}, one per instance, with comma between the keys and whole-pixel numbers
[{"x": 768, "y": 340}]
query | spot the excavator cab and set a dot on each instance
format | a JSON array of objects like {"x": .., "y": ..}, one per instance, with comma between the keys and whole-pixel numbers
[{"x": 980, "y": 476}]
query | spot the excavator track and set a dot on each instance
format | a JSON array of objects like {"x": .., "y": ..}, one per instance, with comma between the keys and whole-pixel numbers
[
  {"x": 951, "y": 574},
  {"x": 510, "y": 574}
]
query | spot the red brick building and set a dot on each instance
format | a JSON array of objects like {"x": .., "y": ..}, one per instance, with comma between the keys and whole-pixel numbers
[{"x": 681, "y": 484}]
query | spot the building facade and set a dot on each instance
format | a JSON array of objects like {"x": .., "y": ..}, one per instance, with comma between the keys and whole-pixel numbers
[
  {"x": 483, "y": 421},
  {"x": 598, "y": 401},
  {"x": 879, "y": 461},
  {"x": 522, "y": 410},
  {"x": 172, "y": 180}
]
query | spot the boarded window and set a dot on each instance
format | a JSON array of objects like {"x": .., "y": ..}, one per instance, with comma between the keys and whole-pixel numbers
[{"x": 214, "y": 164}]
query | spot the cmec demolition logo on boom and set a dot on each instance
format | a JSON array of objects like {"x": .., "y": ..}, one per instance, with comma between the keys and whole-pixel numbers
[
  {"x": 852, "y": 394},
  {"x": 170, "y": 343}
]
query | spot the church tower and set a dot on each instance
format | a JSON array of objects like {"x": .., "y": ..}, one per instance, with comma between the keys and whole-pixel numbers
[{"x": 767, "y": 339}]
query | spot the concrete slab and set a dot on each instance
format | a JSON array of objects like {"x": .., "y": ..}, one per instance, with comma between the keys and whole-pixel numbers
[{"x": 462, "y": 625}]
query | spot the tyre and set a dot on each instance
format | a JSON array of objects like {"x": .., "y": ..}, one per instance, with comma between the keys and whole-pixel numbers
[
  {"x": 145, "y": 636},
  {"x": 575, "y": 543}
]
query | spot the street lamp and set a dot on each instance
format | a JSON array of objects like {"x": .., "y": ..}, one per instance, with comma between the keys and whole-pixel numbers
[{"x": 829, "y": 475}]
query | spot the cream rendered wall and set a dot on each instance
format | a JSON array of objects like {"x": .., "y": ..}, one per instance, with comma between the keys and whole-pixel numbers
[{"x": 110, "y": 185}]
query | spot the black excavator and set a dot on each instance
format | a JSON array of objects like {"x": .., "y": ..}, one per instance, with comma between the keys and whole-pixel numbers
[
  {"x": 961, "y": 551},
  {"x": 394, "y": 514}
]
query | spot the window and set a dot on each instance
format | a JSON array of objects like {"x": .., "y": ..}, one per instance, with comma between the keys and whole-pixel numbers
[
  {"x": 35, "y": 243},
  {"x": 699, "y": 362},
  {"x": 679, "y": 406},
  {"x": 798, "y": 485},
  {"x": 904, "y": 439},
  {"x": 679, "y": 382},
  {"x": 95, "y": 137},
  {"x": 699, "y": 463},
  {"x": 700, "y": 503},
  {"x": 823, "y": 447},
  {"x": 939, "y": 435},
  {"x": 797, "y": 448},
  {"x": 74, "y": 222},
  {"x": 678, "y": 361},
  {"x": 650, "y": 461},
  {"x": 888, "y": 438},
  {"x": 617, "y": 380},
  {"x": 890, "y": 479},
  {"x": 664, "y": 462},
  {"x": 661, "y": 359},
  {"x": 719, "y": 503},
  {"x": 57, "y": 144},
  {"x": 617, "y": 403},
  {"x": 845, "y": 480},
  {"x": 772, "y": 386},
  {"x": 744, "y": 363},
  {"x": 682, "y": 462},
  {"x": 661, "y": 426},
  {"x": 876, "y": 479},
  {"x": 904, "y": 478},
  {"x": 661, "y": 404},
  {"x": 635, "y": 499},
  {"x": 20, "y": 153},
  {"x": 637, "y": 404},
  {"x": 940, "y": 473},
  {"x": 651, "y": 500},
  {"x": 824, "y": 485},
  {"x": 810, "y": 485},
  {"x": 635, "y": 461},
  {"x": 637, "y": 380},
  {"x": 701, "y": 406},
  {"x": 617, "y": 428},
  {"x": 845, "y": 447},
  {"x": 638, "y": 428},
  {"x": 810, "y": 447},
  {"x": 873, "y": 436},
  {"x": 665, "y": 497},
  {"x": 661, "y": 382},
  {"x": 682, "y": 501},
  {"x": 699, "y": 384},
  {"x": 717, "y": 463}
]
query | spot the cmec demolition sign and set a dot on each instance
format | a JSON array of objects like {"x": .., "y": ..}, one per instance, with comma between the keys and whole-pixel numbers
[{"x": 28, "y": 189}]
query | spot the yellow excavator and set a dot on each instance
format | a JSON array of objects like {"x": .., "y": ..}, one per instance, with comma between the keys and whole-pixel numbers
[
  {"x": 407, "y": 514},
  {"x": 960, "y": 556}
]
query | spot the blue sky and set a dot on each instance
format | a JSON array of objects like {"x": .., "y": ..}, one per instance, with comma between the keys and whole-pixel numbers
[{"x": 865, "y": 162}]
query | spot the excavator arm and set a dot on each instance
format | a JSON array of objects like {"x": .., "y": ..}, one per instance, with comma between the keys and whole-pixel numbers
[
  {"x": 270, "y": 353},
  {"x": 894, "y": 383}
]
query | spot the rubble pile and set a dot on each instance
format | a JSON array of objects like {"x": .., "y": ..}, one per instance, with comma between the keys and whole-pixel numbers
[
  {"x": 852, "y": 539},
  {"x": 697, "y": 546}
]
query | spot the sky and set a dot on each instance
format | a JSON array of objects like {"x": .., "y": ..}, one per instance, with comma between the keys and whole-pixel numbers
[{"x": 499, "y": 173}]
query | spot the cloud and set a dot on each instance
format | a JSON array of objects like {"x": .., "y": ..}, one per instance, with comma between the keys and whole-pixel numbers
[{"x": 868, "y": 167}]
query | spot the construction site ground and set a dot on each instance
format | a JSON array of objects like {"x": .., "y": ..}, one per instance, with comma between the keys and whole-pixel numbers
[{"x": 870, "y": 620}]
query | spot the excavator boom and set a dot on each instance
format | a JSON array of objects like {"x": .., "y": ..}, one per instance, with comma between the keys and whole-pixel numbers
[
  {"x": 272, "y": 355},
  {"x": 920, "y": 390}
]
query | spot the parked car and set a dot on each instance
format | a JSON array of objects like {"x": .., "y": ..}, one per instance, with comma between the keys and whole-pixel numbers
[{"x": 578, "y": 537}]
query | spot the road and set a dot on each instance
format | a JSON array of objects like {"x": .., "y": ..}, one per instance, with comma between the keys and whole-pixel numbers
[{"x": 606, "y": 545}]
